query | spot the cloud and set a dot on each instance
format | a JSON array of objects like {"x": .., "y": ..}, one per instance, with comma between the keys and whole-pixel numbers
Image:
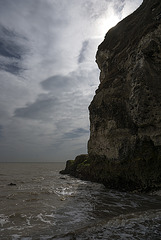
[
  {"x": 12, "y": 51},
  {"x": 66, "y": 97},
  {"x": 58, "y": 83},
  {"x": 71, "y": 85},
  {"x": 119, "y": 6},
  {"x": 39, "y": 110},
  {"x": 83, "y": 50},
  {"x": 130, "y": 6},
  {"x": 1, "y": 131},
  {"x": 76, "y": 133},
  {"x": 49, "y": 75}
]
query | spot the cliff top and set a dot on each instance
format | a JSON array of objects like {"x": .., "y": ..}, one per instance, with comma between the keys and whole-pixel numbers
[{"x": 130, "y": 30}]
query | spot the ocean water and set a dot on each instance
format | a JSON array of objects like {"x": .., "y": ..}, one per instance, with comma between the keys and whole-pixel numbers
[{"x": 46, "y": 205}]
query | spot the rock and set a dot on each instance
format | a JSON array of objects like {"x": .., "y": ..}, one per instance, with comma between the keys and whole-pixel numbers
[
  {"x": 63, "y": 178},
  {"x": 12, "y": 184},
  {"x": 124, "y": 149},
  {"x": 62, "y": 199},
  {"x": 76, "y": 167}
]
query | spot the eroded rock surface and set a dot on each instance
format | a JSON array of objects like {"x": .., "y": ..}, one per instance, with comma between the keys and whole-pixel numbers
[{"x": 124, "y": 149}]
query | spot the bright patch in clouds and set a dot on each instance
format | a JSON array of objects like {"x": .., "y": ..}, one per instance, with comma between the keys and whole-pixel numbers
[
  {"x": 49, "y": 75},
  {"x": 107, "y": 22}
]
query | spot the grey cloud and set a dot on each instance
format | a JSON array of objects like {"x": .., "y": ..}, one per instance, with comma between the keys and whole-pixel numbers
[
  {"x": 13, "y": 68},
  {"x": 64, "y": 99},
  {"x": 39, "y": 110},
  {"x": 11, "y": 51},
  {"x": 57, "y": 82},
  {"x": 48, "y": 38},
  {"x": 76, "y": 81},
  {"x": 94, "y": 9},
  {"x": 8, "y": 45},
  {"x": 118, "y": 6},
  {"x": 1, "y": 131},
  {"x": 81, "y": 57},
  {"x": 76, "y": 133}
]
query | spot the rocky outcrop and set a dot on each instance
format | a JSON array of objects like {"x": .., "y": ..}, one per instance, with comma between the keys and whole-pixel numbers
[{"x": 124, "y": 149}]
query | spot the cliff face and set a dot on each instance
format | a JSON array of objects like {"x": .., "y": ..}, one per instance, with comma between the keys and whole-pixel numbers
[
  {"x": 124, "y": 149},
  {"x": 127, "y": 106}
]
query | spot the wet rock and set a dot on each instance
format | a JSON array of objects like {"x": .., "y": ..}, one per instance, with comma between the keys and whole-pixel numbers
[
  {"x": 63, "y": 178},
  {"x": 12, "y": 184}
]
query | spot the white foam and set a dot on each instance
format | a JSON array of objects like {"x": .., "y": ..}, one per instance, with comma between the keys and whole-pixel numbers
[
  {"x": 3, "y": 219},
  {"x": 64, "y": 191},
  {"x": 43, "y": 219},
  {"x": 26, "y": 238},
  {"x": 16, "y": 237},
  {"x": 46, "y": 238}
]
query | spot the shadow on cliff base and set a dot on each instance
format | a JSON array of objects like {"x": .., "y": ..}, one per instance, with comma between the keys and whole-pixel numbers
[{"x": 140, "y": 171}]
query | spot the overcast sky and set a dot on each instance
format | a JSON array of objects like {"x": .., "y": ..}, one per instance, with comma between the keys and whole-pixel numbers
[{"x": 48, "y": 74}]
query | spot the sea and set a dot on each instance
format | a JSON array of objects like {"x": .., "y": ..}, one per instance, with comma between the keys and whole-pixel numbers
[{"x": 38, "y": 203}]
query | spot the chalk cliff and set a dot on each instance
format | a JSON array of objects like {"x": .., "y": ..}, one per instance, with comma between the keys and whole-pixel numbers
[{"x": 124, "y": 149}]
